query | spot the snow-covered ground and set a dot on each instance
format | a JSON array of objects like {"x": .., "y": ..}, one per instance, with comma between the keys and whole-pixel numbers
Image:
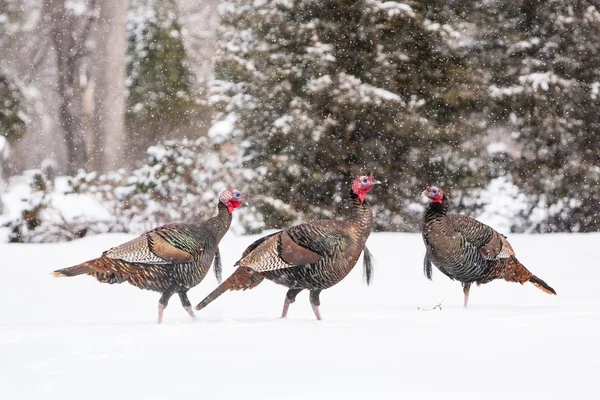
[{"x": 74, "y": 338}]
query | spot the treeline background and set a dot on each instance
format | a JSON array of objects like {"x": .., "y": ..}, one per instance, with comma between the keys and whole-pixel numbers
[{"x": 154, "y": 106}]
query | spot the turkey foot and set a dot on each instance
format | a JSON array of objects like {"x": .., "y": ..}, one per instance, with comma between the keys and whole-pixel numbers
[
  {"x": 190, "y": 312},
  {"x": 315, "y": 302}
]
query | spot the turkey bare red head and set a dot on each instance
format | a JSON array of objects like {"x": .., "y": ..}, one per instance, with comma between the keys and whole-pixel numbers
[
  {"x": 362, "y": 185},
  {"x": 435, "y": 194},
  {"x": 232, "y": 199}
]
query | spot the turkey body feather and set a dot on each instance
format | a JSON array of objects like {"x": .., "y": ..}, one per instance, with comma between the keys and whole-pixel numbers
[
  {"x": 174, "y": 256},
  {"x": 469, "y": 251},
  {"x": 301, "y": 257}
]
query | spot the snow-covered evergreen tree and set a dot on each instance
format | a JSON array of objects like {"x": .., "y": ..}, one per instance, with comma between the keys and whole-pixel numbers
[
  {"x": 180, "y": 182},
  {"x": 161, "y": 98},
  {"x": 12, "y": 109},
  {"x": 544, "y": 63},
  {"x": 321, "y": 90}
]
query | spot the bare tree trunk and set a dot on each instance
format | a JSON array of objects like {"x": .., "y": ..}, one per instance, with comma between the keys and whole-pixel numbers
[
  {"x": 3, "y": 153},
  {"x": 68, "y": 39},
  {"x": 108, "y": 71}
]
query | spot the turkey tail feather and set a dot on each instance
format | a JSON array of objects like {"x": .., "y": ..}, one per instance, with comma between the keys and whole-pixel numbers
[
  {"x": 218, "y": 266},
  {"x": 514, "y": 271},
  {"x": 540, "y": 284},
  {"x": 72, "y": 271},
  {"x": 427, "y": 263},
  {"x": 243, "y": 278},
  {"x": 368, "y": 265}
]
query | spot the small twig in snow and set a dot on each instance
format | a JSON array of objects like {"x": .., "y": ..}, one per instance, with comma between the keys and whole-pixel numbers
[{"x": 438, "y": 306}]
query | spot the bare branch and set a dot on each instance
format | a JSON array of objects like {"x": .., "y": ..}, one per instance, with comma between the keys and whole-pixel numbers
[
  {"x": 438, "y": 306},
  {"x": 85, "y": 32},
  {"x": 39, "y": 57}
]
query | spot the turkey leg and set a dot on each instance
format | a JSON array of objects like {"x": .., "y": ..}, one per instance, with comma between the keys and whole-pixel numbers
[
  {"x": 162, "y": 304},
  {"x": 290, "y": 297},
  {"x": 315, "y": 302},
  {"x": 466, "y": 288},
  {"x": 185, "y": 302}
]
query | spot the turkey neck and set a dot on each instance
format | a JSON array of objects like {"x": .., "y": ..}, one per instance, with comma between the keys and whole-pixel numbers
[
  {"x": 361, "y": 217},
  {"x": 220, "y": 223},
  {"x": 437, "y": 211}
]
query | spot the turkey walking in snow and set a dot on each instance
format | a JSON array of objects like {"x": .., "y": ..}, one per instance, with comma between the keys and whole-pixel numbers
[
  {"x": 169, "y": 259},
  {"x": 314, "y": 255},
  {"x": 468, "y": 251}
]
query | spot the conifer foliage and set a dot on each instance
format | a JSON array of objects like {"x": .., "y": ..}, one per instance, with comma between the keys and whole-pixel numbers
[
  {"x": 161, "y": 97},
  {"x": 543, "y": 60},
  {"x": 12, "y": 110},
  {"x": 174, "y": 185},
  {"x": 12, "y": 105}
]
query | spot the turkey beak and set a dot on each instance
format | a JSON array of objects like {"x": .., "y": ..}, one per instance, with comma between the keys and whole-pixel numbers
[
  {"x": 244, "y": 201},
  {"x": 375, "y": 182}
]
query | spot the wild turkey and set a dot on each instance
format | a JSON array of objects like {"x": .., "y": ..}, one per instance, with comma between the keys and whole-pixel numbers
[
  {"x": 468, "y": 251},
  {"x": 314, "y": 255},
  {"x": 169, "y": 259}
]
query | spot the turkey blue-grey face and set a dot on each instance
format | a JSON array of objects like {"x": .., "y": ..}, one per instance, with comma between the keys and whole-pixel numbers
[
  {"x": 237, "y": 198},
  {"x": 368, "y": 181},
  {"x": 362, "y": 184},
  {"x": 232, "y": 199},
  {"x": 434, "y": 194}
]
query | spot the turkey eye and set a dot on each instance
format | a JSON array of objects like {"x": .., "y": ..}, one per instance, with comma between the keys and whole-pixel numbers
[{"x": 365, "y": 180}]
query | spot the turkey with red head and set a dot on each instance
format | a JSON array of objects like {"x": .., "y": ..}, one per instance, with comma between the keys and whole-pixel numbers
[
  {"x": 314, "y": 255},
  {"x": 169, "y": 259},
  {"x": 468, "y": 251}
]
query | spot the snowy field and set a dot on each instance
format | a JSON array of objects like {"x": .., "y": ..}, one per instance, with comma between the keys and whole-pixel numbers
[{"x": 75, "y": 338}]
